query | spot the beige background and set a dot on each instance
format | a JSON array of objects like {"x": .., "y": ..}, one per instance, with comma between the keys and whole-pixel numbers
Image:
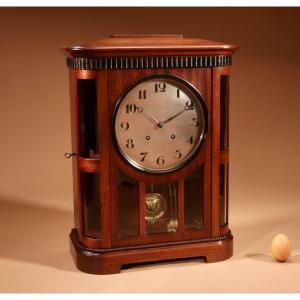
[{"x": 36, "y": 182}]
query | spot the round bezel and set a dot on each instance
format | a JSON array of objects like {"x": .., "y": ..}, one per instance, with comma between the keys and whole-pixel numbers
[{"x": 188, "y": 89}]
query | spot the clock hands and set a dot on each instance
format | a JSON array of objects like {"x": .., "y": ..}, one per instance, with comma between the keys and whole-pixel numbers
[
  {"x": 173, "y": 117},
  {"x": 156, "y": 122},
  {"x": 187, "y": 107},
  {"x": 162, "y": 124}
]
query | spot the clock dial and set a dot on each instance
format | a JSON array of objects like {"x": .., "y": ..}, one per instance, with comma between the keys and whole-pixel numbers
[{"x": 160, "y": 123}]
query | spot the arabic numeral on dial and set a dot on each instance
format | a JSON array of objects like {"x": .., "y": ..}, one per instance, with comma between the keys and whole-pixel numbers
[
  {"x": 189, "y": 105},
  {"x": 143, "y": 155},
  {"x": 196, "y": 122},
  {"x": 160, "y": 87},
  {"x": 129, "y": 144},
  {"x": 124, "y": 126},
  {"x": 160, "y": 160},
  {"x": 178, "y": 154},
  {"x": 190, "y": 140},
  {"x": 131, "y": 108},
  {"x": 142, "y": 94}
]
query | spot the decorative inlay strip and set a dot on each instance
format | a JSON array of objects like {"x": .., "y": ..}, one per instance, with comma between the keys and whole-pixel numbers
[
  {"x": 151, "y": 62},
  {"x": 148, "y": 246}
]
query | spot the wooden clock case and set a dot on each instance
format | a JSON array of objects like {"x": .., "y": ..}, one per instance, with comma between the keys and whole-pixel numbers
[{"x": 103, "y": 70}]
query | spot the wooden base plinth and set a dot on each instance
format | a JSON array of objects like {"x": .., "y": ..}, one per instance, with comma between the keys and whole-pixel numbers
[{"x": 109, "y": 261}]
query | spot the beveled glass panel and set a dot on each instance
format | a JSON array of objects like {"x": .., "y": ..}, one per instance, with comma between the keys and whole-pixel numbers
[
  {"x": 128, "y": 206},
  {"x": 194, "y": 200},
  {"x": 223, "y": 194},
  {"x": 90, "y": 189},
  {"x": 161, "y": 208},
  {"x": 224, "y": 116},
  {"x": 88, "y": 118}
]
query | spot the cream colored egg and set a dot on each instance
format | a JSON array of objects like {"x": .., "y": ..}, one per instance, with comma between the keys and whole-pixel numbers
[{"x": 281, "y": 247}]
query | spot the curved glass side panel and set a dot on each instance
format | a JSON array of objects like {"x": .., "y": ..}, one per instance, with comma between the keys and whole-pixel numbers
[
  {"x": 224, "y": 194},
  {"x": 90, "y": 184},
  {"x": 224, "y": 117},
  {"x": 88, "y": 118}
]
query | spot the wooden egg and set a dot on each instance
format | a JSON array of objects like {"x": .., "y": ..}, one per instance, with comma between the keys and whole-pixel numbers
[{"x": 281, "y": 247}]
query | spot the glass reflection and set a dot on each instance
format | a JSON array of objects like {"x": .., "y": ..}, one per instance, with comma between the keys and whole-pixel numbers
[
  {"x": 128, "y": 206},
  {"x": 88, "y": 118},
  {"x": 90, "y": 183},
  {"x": 223, "y": 194},
  {"x": 224, "y": 117},
  {"x": 194, "y": 200}
]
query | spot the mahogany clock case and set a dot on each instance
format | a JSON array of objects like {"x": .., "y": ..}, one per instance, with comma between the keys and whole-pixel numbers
[{"x": 110, "y": 230}]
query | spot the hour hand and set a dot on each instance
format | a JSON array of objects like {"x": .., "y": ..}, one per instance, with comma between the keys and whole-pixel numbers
[{"x": 153, "y": 120}]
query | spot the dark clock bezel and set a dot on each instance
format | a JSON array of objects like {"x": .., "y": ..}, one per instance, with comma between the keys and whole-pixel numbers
[{"x": 198, "y": 97}]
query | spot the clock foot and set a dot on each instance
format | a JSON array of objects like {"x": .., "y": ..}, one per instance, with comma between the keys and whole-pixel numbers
[{"x": 110, "y": 261}]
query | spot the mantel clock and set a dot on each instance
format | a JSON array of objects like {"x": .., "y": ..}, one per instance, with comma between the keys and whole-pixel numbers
[{"x": 150, "y": 156}]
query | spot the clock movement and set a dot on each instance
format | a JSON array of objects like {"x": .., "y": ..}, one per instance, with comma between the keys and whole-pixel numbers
[{"x": 150, "y": 150}]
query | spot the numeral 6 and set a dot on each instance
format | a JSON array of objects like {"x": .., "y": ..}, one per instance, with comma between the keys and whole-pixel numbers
[{"x": 160, "y": 160}]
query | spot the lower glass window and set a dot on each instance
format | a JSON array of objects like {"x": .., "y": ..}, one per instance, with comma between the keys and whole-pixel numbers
[{"x": 161, "y": 208}]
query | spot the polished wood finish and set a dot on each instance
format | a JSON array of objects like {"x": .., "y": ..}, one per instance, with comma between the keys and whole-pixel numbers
[
  {"x": 85, "y": 74},
  {"x": 181, "y": 205},
  {"x": 111, "y": 84},
  {"x": 75, "y": 149},
  {"x": 111, "y": 262},
  {"x": 105, "y": 187},
  {"x": 142, "y": 208},
  {"x": 152, "y": 44},
  {"x": 218, "y": 155},
  {"x": 118, "y": 83},
  {"x": 88, "y": 164}
]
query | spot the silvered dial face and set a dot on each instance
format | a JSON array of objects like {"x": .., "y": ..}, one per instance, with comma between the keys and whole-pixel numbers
[{"x": 160, "y": 124}]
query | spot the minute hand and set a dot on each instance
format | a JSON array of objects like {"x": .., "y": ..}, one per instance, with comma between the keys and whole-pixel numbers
[{"x": 173, "y": 117}]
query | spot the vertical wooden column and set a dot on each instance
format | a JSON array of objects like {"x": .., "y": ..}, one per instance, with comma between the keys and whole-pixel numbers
[
  {"x": 218, "y": 156},
  {"x": 142, "y": 208},
  {"x": 224, "y": 153},
  {"x": 104, "y": 123},
  {"x": 180, "y": 206},
  {"x": 75, "y": 149}
]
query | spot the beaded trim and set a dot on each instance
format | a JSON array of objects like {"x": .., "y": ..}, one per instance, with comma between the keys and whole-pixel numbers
[
  {"x": 145, "y": 62},
  {"x": 156, "y": 245}
]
